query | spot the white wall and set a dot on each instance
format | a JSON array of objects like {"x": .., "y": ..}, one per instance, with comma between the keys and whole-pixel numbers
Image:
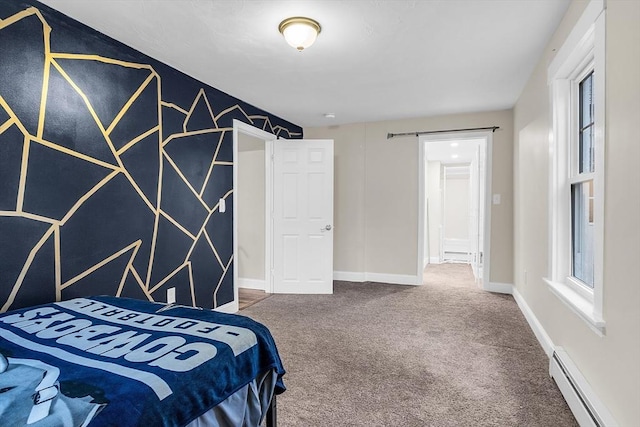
[
  {"x": 456, "y": 208},
  {"x": 251, "y": 200},
  {"x": 376, "y": 192},
  {"x": 611, "y": 363}
]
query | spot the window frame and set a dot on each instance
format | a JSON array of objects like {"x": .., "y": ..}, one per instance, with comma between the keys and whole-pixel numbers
[
  {"x": 582, "y": 53},
  {"x": 575, "y": 176}
]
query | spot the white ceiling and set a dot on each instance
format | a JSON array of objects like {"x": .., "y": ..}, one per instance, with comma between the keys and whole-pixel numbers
[
  {"x": 452, "y": 151},
  {"x": 374, "y": 60}
]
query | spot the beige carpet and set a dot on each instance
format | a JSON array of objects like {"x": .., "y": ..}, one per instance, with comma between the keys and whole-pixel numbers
[{"x": 442, "y": 354}]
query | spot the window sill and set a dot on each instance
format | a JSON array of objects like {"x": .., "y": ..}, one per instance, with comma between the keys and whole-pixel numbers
[{"x": 579, "y": 305}]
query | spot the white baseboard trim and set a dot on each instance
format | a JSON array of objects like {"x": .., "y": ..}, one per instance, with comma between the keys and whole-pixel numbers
[
  {"x": 582, "y": 400},
  {"x": 349, "y": 276},
  {"x": 434, "y": 260},
  {"x": 456, "y": 245},
  {"x": 456, "y": 257},
  {"x": 500, "y": 288},
  {"x": 536, "y": 326},
  {"x": 394, "y": 279},
  {"x": 251, "y": 283},
  {"x": 230, "y": 307}
]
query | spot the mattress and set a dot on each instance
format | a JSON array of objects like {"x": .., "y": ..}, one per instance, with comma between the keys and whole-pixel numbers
[{"x": 105, "y": 361}]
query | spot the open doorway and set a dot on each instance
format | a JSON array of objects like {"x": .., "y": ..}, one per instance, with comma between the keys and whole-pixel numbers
[
  {"x": 283, "y": 213},
  {"x": 252, "y": 205},
  {"x": 454, "y": 206},
  {"x": 455, "y": 243}
]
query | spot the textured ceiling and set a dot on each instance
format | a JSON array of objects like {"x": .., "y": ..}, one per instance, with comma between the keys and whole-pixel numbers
[{"x": 374, "y": 60}]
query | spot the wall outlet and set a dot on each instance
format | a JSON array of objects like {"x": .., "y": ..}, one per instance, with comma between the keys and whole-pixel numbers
[{"x": 171, "y": 295}]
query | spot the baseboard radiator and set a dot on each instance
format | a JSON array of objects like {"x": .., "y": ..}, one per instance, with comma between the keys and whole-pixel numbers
[{"x": 586, "y": 407}]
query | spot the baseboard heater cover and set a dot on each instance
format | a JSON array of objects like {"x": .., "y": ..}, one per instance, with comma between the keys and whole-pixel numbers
[{"x": 583, "y": 403}]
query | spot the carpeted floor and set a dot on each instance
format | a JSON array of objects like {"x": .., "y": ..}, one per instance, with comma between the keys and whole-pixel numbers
[{"x": 442, "y": 354}]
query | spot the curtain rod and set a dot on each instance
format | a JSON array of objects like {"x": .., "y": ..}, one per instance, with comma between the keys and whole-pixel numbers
[{"x": 393, "y": 135}]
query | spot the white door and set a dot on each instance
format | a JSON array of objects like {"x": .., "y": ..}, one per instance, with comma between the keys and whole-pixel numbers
[{"x": 302, "y": 216}]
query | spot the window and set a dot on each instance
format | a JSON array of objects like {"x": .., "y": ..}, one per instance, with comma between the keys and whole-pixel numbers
[
  {"x": 582, "y": 198},
  {"x": 576, "y": 79}
]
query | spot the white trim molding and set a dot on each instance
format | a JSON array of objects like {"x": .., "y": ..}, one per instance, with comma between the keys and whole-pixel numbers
[
  {"x": 349, "y": 276},
  {"x": 583, "y": 52},
  {"x": 244, "y": 128},
  {"x": 245, "y": 283},
  {"x": 534, "y": 323},
  {"x": 499, "y": 288},
  {"x": 574, "y": 45},
  {"x": 230, "y": 307},
  {"x": 579, "y": 305},
  {"x": 393, "y": 279},
  {"x": 486, "y": 226},
  {"x": 584, "y": 403}
]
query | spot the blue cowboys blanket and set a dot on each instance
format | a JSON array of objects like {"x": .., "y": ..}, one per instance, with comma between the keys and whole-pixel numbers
[{"x": 122, "y": 362}]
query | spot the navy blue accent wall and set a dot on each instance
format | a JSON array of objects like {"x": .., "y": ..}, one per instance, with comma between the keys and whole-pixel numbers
[{"x": 112, "y": 165}]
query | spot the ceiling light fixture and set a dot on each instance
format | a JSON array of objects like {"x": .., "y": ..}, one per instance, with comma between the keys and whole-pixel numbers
[{"x": 299, "y": 32}]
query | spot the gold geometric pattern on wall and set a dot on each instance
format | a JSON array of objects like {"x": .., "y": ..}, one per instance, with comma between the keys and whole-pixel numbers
[{"x": 110, "y": 159}]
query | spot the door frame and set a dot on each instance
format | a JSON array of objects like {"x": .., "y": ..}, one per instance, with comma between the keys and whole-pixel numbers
[
  {"x": 422, "y": 159},
  {"x": 247, "y": 129}
]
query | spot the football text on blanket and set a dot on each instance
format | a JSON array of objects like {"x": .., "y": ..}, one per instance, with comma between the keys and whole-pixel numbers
[{"x": 118, "y": 361}]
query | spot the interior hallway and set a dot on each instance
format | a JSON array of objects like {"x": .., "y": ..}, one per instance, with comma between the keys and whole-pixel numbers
[{"x": 455, "y": 275}]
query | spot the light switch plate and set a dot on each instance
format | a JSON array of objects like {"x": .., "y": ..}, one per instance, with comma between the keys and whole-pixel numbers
[
  {"x": 496, "y": 199},
  {"x": 222, "y": 205}
]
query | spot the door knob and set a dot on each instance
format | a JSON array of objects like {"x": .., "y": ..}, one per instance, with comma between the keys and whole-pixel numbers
[{"x": 326, "y": 228}]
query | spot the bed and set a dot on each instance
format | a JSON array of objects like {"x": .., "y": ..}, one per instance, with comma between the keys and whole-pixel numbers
[{"x": 107, "y": 361}]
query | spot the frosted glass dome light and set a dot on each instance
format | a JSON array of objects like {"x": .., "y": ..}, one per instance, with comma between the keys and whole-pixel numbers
[{"x": 299, "y": 32}]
